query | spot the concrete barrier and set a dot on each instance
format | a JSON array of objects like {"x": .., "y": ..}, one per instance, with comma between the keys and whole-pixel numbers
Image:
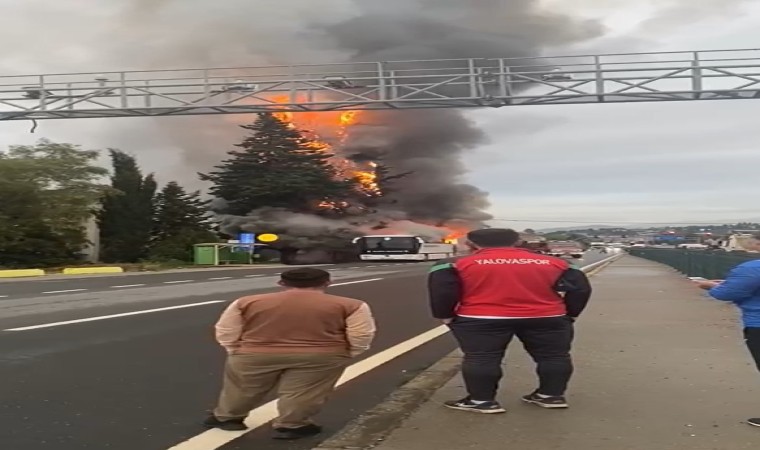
[
  {"x": 21, "y": 273},
  {"x": 91, "y": 270}
]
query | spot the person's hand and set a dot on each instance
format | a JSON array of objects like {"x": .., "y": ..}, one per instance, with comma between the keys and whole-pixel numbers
[
  {"x": 447, "y": 321},
  {"x": 707, "y": 284},
  {"x": 231, "y": 349},
  {"x": 353, "y": 352}
]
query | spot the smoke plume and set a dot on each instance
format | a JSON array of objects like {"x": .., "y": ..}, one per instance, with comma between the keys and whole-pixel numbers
[{"x": 431, "y": 144}]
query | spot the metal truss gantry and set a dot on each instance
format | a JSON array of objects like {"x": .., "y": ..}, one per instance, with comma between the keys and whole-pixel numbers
[{"x": 494, "y": 82}]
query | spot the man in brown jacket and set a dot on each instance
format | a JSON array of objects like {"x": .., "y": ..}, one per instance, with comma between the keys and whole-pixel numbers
[{"x": 296, "y": 343}]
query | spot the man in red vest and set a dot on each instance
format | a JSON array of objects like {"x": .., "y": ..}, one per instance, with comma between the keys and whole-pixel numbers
[{"x": 499, "y": 292}]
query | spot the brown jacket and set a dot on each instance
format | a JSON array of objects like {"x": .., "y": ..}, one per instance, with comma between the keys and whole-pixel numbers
[{"x": 296, "y": 321}]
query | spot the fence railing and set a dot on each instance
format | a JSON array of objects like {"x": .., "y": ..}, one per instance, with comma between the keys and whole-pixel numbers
[{"x": 696, "y": 263}]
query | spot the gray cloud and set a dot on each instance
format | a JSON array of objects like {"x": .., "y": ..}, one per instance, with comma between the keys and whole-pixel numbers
[{"x": 678, "y": 13}]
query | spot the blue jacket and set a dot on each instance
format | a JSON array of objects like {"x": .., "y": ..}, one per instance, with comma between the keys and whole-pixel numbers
[{"x": 742, "y": 287}]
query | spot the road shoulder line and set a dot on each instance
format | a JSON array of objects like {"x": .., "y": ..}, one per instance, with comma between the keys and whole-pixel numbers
[{"x": 373, "y": 426}]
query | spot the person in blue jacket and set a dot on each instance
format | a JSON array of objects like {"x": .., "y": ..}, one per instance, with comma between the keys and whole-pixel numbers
[{"x": 742, "y": 287}]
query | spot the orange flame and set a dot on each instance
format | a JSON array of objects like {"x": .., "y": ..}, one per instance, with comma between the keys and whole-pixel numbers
[
  {"x": 332, "y": 205},
  {"x": 328, "y": 130},
  {"x": 348, "y": 118},
  {"x": 369, "y": 181},
  {"x": 455, "y": 233}
]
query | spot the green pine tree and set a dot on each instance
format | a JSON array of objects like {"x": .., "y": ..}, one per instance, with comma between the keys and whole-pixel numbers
[
  {"x": 180, "y": 221},
  {"x": 276, "y": 167},
  {"x": 126, "y": 215}
]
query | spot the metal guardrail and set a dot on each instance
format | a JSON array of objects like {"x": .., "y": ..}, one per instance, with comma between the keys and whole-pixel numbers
[{"x": 713, "y": 265}]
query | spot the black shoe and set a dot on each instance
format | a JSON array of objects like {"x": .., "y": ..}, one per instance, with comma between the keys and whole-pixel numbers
[
  {"x": 468, "y": 405},
  {"x": 227, "y": 425},
  {"x": 296, "y": 433},
  {"x": 754, "y": 422},
  {"x": 557, "y": 402}
]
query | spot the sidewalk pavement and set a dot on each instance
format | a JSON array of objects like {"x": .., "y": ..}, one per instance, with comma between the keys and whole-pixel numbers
[{"x": 658, "y": 367}]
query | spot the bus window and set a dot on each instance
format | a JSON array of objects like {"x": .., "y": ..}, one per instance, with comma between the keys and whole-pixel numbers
[{"x": 389, "y": 243}]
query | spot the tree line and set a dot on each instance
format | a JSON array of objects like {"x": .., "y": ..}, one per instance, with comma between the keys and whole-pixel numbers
[{"x": 49, "y": 191}]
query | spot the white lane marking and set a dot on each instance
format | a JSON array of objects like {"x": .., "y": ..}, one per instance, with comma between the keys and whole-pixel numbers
[
  {"x": 148, "y": 311},
  {"x": 355, "y": 282},
  {"x": 64, "y": 291},
  {"x": 3, "y": 296},
  {"x": 353, "y": 267},
  {"x": 179, "y": 281},
  {"x": 113, "y": 316},
  {"x": 214, "y": 439},
  {"x": 220, "y": 278},
  {"x": 253, "y": 276},
  {"x": 126, "y": 286}
]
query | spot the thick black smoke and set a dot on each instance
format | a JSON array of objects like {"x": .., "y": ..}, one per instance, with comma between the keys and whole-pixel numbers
[{"x": 431, "y": 145}]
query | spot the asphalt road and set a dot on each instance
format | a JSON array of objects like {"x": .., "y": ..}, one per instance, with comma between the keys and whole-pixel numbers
[
  {"x": 143, "y": 376},
  {"x": 57, "y": 284}
]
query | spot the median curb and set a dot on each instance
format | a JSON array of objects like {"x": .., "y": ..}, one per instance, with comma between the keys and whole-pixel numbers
[
  {"x": 91, "y": 270},
  {"x": 371, "y": 428},
  {"x": 21, "y": 273}
]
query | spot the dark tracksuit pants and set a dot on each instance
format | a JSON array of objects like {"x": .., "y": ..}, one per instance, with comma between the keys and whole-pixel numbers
[
  {"x": 752, "y": 337},
  {"x": 485, "y": 341}
]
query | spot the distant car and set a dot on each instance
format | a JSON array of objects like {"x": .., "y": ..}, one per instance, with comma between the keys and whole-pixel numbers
[
  {"x": 693, "y": 246},
  {"x": 638, "y": 245},
  {"x": 557, "y": 75},
  {"x": 565, "y": 249}
]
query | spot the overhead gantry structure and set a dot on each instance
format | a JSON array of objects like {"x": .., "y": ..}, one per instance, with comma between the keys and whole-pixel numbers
[{"x": 460, "y": 83}]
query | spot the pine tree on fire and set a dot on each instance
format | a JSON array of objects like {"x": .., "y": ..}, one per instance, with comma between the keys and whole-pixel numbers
[
  {"x": 277, "y": 166},
  {"x": 384, "y": 179}
]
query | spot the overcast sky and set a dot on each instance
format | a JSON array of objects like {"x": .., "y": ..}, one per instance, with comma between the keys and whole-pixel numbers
[
  {"x": 625, "y": 163},
  {"x": 628, "y": 163}
]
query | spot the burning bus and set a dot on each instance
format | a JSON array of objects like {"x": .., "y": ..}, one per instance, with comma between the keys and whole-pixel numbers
[{"x": 402, "y": 248}]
